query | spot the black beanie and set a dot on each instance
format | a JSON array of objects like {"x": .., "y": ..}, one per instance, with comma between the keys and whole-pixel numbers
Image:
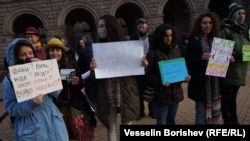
[{"x": 233, "y": 8}]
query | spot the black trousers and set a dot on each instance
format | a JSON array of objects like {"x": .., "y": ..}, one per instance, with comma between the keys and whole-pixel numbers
[
  {"x": 229, "y": 104},
  {"x": 142, "y": 107},
  {"x": 140, "y": 84}
]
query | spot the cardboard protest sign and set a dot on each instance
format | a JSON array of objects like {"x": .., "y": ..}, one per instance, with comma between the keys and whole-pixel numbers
[
  {"x": 246, "y": 52},
  {"x": 173, "y": 70},
  {"x": 220, "y": 57},
  {"x": 35, "y": 78},
  {"x": 115, "y": 59}
]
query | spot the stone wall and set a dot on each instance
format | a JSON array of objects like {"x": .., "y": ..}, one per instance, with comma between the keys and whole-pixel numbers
[{"x": 52, "y": 13}]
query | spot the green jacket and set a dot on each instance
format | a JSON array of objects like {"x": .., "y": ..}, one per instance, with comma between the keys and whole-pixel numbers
[{"x": 236, "y": 73}]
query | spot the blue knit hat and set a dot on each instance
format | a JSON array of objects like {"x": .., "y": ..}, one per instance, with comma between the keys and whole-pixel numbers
[{"x": 233, "y": 8}]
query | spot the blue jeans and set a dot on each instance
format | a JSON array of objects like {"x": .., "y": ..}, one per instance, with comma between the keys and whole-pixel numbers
[
  {"x": 165, "y": 113},
  {"x": 200, "y": 113}
]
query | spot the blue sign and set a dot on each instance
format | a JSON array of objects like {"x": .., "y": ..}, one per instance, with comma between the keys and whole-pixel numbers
[{"x": 173, "y": 70}]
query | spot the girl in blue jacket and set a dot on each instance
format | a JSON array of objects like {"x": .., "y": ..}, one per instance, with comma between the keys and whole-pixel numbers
[{"x": 37, "y": 119}]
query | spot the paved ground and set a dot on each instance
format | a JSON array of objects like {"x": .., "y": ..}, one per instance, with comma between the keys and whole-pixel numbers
[{"x": 185, "y": 115}]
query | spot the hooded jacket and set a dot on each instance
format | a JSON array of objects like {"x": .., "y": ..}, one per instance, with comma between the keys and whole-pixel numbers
[
  {"x": 33, "y": 122},
  {"x": 236, "y": 73}
]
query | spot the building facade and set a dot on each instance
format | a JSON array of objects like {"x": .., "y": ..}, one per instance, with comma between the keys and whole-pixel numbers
[{"x": 71, "y": 19}]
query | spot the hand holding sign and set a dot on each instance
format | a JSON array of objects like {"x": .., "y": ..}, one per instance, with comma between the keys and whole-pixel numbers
[
  {"x": 221, "y": 56},
  {"x": 38, "y": 99},
  {"x": 41, "y": 77}
]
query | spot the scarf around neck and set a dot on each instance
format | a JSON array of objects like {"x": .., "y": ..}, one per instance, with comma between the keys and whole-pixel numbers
[{"x": 38, "y": 45}]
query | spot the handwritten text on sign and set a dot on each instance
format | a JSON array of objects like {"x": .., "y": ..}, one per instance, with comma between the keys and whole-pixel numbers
[
  {"x": 116, "y": 59},
  {"x": 220, "y": 56},
  {"x": 35, "y": 78}
]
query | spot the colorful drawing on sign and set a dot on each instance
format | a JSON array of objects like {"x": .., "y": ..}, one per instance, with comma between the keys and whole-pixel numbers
[
  {"x": 66, "y": 74},
  {"x": 173, "y": 70},
  {"x": 220, "y": 57}
]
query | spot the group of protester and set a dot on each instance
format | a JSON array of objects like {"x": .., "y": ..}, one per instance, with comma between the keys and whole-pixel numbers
[
  {"x": 215, "y": 97},
  {"x": 65, "y": 114}
]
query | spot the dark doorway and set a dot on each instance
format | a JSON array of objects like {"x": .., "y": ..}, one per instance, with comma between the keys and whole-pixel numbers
[
  {"x": 26, "y": 20},
  {"x": 129, "y": 13},
  {"x": 176, "y": 13},
  {"x": 220, "y": 7},
  {"x": 79, "y": 22}
]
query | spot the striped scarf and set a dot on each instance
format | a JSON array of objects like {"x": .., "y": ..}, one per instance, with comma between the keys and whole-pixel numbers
[{"x": 213, "y": 105}]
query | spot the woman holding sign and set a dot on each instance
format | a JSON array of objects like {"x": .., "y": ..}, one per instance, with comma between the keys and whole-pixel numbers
[
  {"x": 37, "y": 119},
  {"x": 79, "y": 118},
  {"x": 163, "y": 47},
  {"x": 118, "y": 94},
  {"x": 203, "y": 89},
  {"x": 234, "y": 28}
]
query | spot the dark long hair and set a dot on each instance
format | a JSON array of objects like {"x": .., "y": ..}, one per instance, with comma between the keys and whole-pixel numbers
[
  {"x": 63, "y": 62},
  {"x": 114, "y": 28},
  {"x": 17, "y": 49},
  {"x": 156, "y": 41}
]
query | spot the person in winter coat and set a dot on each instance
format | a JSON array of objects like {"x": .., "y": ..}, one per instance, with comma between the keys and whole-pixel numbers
[
  {"x": 85, "y": 54},
  {"x": 168, "y": 96},
  {"x": 143, "y": 35},
  {"x": 203, "y": 89},
  {"x": 237, "y": 70},
  {"x": 37, "y": 119},
  {"x": 118, "y": 94},
  {"x": 79, "y": 118}
]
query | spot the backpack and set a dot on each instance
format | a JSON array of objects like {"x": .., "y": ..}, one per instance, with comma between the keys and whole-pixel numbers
[{"x": 228, "y": 33}]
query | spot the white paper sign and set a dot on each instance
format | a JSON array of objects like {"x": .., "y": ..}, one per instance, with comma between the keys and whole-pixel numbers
[
  {"x": 220, "y": 57},
  {"x": 35, "y": 78},
  {"x": 115, "y": 59}
]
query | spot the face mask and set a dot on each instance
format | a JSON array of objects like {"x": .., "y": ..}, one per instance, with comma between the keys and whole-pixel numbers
[{"x": 102, "y": 33}]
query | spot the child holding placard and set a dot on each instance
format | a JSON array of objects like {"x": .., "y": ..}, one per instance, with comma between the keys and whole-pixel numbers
[{"x": 31, "y": 116}]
